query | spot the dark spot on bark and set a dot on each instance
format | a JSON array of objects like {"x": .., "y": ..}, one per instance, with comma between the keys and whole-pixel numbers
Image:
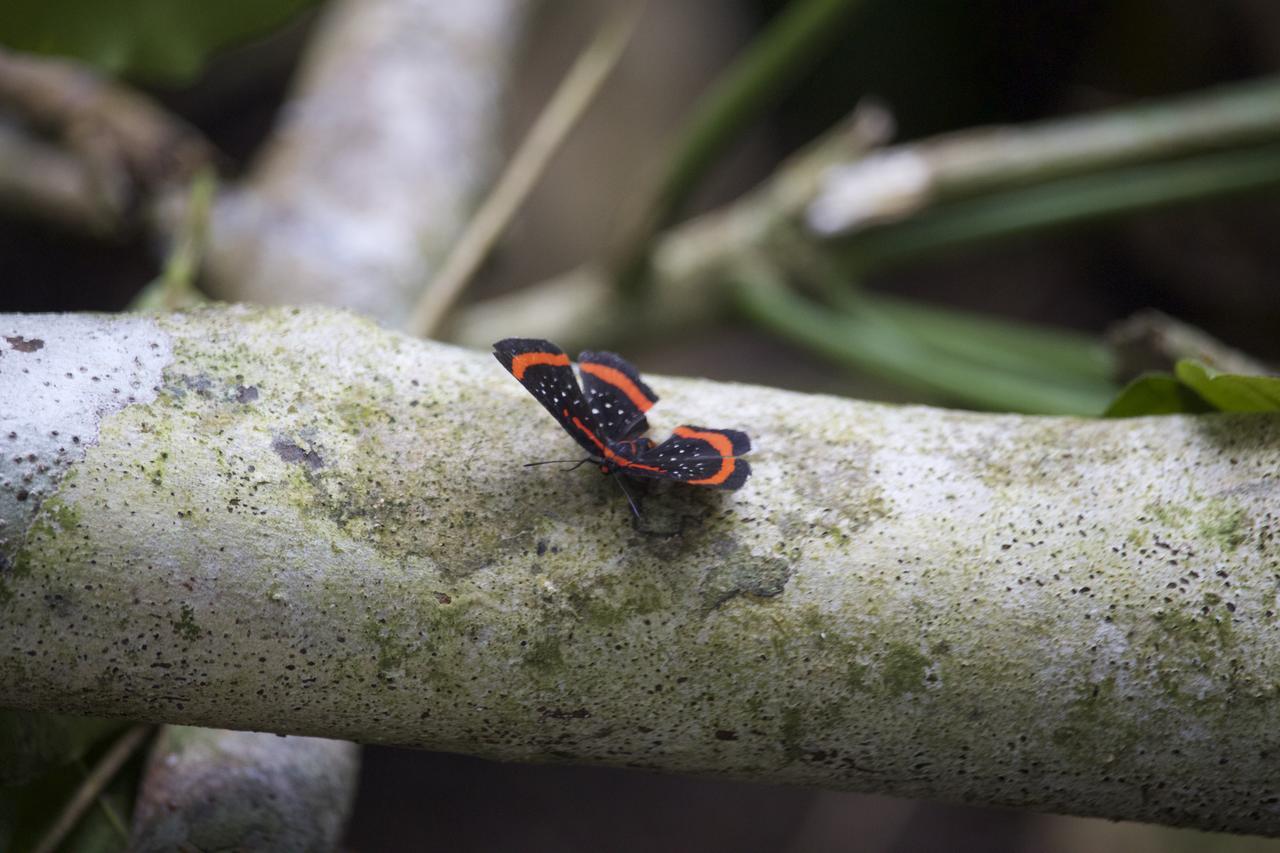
[
  {"x": 560, "y": 714},
  {"x": 725, "y": 734},
  {"x": 246, "y": 393},
  {"x": 22, "y": 494},
  {"x": 58, "y": 603},
  {"x": 739, "y": 573},
  {"x": 22, "y": 344},
  {"x": 5, "y": 565},
  {"x": 542, "y": 548},
  {"x": 443, "y": 598},
  {"x": 290, "y": 452}
]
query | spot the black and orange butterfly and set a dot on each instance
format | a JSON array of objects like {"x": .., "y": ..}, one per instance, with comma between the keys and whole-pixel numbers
[{"x": 608, "y": 421}]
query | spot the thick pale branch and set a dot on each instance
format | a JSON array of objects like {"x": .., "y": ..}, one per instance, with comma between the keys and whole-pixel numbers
[
  {"x": 293, "y": 521},
  {"x": 371, "y": 174}
]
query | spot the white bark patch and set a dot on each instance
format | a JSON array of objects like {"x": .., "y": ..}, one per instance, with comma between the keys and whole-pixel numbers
[{"x": 61, "y": 375}]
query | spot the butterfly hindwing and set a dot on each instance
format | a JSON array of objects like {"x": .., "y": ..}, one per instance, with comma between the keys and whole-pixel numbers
[
  {"x": 543, "y": 369},
  {"x": 700, "y": 456},
  {"x": 616, "y": 395},
  {"x": 606, "y": 416}
]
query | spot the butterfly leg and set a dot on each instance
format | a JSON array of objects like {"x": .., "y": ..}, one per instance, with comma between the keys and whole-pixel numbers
[{"x": 626, "y": 492}]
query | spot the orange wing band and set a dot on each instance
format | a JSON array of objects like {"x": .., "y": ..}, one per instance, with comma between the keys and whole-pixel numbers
[
  {"x": 619, "y": 380},
  {"x": 722, "y": 445},
  {"x": 525, "y": 360},
  {"x": 620, "y": 461}
]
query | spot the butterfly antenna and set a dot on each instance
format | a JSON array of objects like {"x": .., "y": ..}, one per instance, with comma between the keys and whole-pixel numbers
[
  {"x": 630, "y": 500},
  {"x": 578, "y": 463}
]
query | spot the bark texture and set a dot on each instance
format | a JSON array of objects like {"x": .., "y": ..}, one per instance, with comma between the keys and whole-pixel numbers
[{"x": 293, "y": 521}]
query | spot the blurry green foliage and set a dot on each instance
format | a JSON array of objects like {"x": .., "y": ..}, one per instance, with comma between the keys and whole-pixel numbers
[
  {"x": 1195, "y": 387},
  {"x": 42, "y": 762},
  {"x": 160, "y": 41},
  {"x": 27, "y": 812},
  {"x": 32, "y": 744}
]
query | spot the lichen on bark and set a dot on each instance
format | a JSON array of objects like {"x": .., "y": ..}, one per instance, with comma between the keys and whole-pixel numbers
[{"x": 1061, "y": 614}]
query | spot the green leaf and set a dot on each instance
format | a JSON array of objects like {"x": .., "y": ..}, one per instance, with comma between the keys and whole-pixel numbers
[
  {"x": 883, "y": 349},
  {"x": 1195, "y": 387},
  {"x": 163, "y": 41},
  {"x": 1230, "y": 392},
  {"x": 1156, "y": 394}
]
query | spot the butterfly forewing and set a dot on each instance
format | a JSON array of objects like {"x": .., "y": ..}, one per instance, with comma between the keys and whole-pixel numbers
[
  {"x": 543, "y": 369},
  {"x": 608, "y": 418},
  {"x": 618, "y": 397},
  {"x": 701, "y": 456}
]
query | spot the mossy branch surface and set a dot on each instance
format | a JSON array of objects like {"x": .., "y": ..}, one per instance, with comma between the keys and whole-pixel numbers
[{"x": 302, "y": 523}]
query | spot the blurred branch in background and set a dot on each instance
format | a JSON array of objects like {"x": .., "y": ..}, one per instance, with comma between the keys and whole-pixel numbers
[
  {"x": 774, "y": 62},
  {"x": 896, "y": 183},
  {"x": 84, "y": 150},
  {"x": 688, "y": 263},
  {"x": 576, "y": 92},
  {"x": 372, "y": 170},
  {"x": 40, "y": 180},
  {"x": 870, "y": 212},
  {"x": 1152, "y": 340},
  {"x": 213, "y": 789},
  {"x": 1058, "y": 203}
]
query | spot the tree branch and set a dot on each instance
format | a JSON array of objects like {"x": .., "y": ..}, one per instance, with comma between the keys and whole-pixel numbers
[
  {"x": 293, "y": 521},
  {"x": 581, "y": 84},
  {"x": 39, "y": 179},
  {"x": 216, "y": 790},
  {"x": 688, "y": 265},
  {"x": 371, "y": 175},
  {"x": 1151, "y": 340},
  {"x": 118, "y": 147},
  {"x": 902, "y": 180},
  {"x": 903, "y": 202}
]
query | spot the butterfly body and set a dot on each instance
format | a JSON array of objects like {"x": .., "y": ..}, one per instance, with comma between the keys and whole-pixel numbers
[{"x": 606, "y": 417}]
